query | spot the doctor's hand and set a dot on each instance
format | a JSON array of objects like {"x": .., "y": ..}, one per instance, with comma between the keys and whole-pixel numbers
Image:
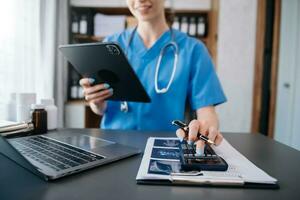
[
  {"x": 205, "y": 128},
  {"x": 96, "y": 95}
]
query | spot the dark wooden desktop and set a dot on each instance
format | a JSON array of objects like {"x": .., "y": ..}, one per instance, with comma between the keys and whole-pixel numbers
[{"x": 117, "y": 180}]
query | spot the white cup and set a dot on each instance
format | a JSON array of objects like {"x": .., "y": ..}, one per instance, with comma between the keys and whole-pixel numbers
[
  {"x": 23, "y": 103},
  {"x": 23, "y": 113}
]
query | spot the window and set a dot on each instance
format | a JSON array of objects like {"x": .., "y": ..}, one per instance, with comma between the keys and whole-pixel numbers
[{"x": 23, "y": 50}]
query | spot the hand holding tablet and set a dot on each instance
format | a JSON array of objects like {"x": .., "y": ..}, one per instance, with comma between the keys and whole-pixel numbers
[{"x": 96, "y": 95}]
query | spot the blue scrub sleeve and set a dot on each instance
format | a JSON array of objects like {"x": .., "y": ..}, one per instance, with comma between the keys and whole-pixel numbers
[{"x": 204, "y": 88}]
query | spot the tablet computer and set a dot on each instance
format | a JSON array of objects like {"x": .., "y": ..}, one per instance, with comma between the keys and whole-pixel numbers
[{"x": 106, "y": 63}]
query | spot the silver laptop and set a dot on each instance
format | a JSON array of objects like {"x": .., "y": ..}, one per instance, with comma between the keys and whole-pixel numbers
[{"x": 59, "y": 154}]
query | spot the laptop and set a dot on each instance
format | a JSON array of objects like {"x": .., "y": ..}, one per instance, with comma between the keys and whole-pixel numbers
[{"x": 59, "y": 154}]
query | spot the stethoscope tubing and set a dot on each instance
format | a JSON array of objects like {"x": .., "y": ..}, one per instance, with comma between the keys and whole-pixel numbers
[{"x": 172, "y": 43}]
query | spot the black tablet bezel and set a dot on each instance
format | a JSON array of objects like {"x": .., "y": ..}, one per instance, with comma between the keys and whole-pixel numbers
[{"x": 106, "y": 62}]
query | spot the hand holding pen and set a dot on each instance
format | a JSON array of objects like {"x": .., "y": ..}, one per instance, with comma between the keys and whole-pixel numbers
[{"x": 198, "y": 133}]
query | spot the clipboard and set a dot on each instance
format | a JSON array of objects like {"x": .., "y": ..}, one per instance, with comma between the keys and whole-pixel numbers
[
  {"x": 244, "y": 185},
  {"x": 243, "y": 175}
]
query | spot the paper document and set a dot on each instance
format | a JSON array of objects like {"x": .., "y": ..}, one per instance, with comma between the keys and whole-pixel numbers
[
  {"x": 10, "y": 128},
  {"x": 161, "y": 161},
  {"x": 4, "y": 123}
]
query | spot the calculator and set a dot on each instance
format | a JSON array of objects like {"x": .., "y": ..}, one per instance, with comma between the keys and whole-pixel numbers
[{"x": 209, "y": 161}]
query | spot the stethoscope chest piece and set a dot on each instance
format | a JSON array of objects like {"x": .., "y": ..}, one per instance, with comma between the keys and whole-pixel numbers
[{"x": 124, "y": 107}]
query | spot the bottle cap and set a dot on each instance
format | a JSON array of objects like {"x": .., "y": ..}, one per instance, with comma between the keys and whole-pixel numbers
[
  {"x": 47, "y": 102},
  {"x": 37, "y": 106}
]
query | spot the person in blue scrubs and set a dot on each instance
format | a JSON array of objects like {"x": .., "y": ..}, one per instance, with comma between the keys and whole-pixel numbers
[{"x": 195, "y": 79}]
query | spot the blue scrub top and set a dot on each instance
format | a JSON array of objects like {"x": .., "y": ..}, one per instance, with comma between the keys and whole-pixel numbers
[{"x": 195, "y": 81}]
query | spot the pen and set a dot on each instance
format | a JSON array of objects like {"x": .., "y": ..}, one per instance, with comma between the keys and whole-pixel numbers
[{"x": 185, "y": 128}]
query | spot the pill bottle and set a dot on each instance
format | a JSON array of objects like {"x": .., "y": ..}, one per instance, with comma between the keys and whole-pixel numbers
[
  {"x": 39, "y": 118},
  {"x": 51, "y": 113}
]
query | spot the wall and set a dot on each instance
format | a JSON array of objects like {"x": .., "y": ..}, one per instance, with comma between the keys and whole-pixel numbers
[
  {"x": 235, "y": 63},
  {"x": 287, "y": 124}
]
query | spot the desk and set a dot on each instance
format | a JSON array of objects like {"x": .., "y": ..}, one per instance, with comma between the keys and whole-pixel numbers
[{"x": 117, "y": 180}]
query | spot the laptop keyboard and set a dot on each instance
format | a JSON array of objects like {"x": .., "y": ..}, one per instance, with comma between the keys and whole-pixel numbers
[{"x": 54, "y": 154}]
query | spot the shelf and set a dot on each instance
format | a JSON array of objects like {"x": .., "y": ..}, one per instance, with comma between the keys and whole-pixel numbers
[
  {"x": 79, "y": 102},
  {"x": 126, "y": 11},
  {"x": 104, "y": 10},
  {"x": 91, "y": 38},
  {"x": 87, "y": 38}
]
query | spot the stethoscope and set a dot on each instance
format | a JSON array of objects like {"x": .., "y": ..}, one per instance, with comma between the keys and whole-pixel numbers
[{"x": 173, "y": 44}]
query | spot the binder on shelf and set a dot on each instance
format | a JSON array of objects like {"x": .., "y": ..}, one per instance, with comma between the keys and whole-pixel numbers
[
  {"x": 192, "y": 27},
  {"x": 202, "y": 26},
  {"x": 75, "y": 23},
  {"x": 184, "y": 26},
  {"x": 176, "y": 23}
]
